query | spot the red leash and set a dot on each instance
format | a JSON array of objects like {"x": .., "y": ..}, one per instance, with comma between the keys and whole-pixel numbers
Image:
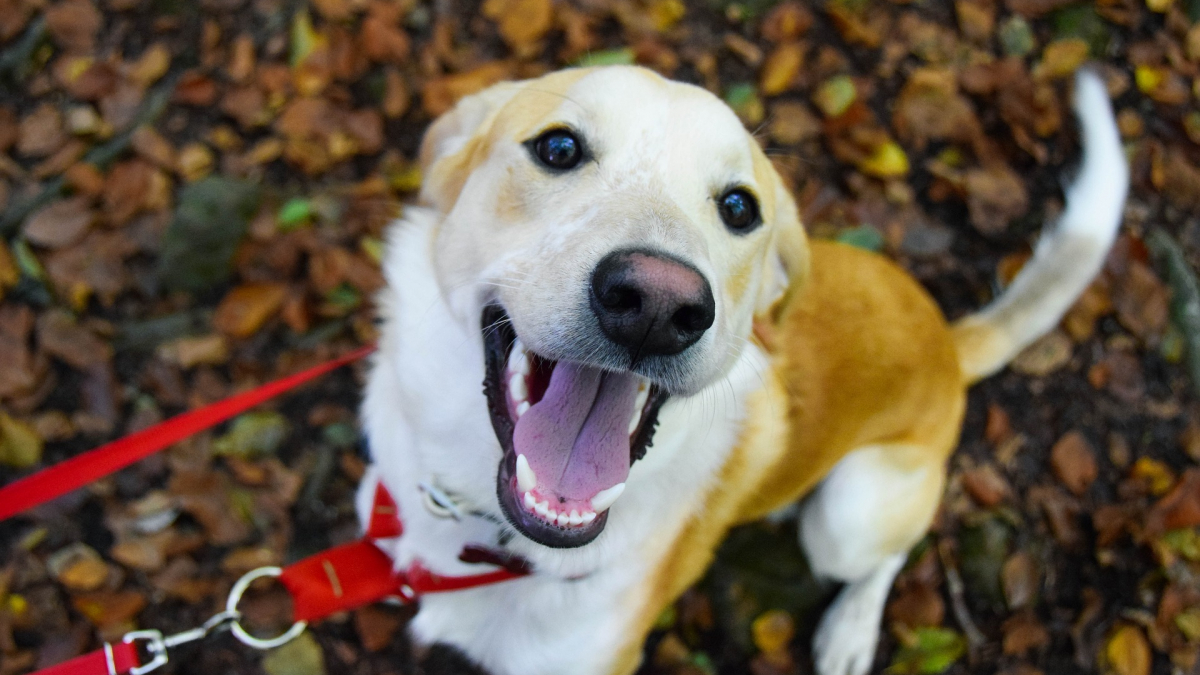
[
  {"x": 336, "y": 580},
  {"x": 80, "y": 470}
]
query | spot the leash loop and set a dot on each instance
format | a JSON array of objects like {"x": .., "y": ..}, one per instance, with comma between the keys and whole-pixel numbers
[{"x": 235, "y": 597}]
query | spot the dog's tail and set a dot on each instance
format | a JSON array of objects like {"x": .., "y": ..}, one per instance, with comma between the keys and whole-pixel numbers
[{"x": 1069, "y": 254}]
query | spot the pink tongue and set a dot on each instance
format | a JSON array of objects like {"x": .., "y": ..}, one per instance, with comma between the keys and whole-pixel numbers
[{"x": 576, "y": 438}]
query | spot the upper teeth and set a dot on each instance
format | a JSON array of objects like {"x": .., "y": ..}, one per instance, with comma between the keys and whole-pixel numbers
[
  {"x": 518, "y": 359},
  {"x": 605, "y": 498},
  {"x": 526, "y": 478},
  {"x": 639, "y": 404}
]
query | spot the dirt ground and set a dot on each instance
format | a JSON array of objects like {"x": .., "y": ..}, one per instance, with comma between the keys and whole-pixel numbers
[{"x": 192, "y": 201}]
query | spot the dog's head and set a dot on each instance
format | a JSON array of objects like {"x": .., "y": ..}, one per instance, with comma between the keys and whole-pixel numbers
[{"x": 612, "y": 234}]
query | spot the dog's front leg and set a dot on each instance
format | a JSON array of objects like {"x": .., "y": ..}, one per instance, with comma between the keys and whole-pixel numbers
[{"x": 857, "y": 528}]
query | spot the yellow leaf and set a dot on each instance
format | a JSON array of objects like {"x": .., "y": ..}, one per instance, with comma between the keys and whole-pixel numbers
[
  {"x": 305, "y": 39},
  {"x": 1148, "y": 78},
  {"x": 1156, "y": 474},
  {"x": 666, "y": 13},
  {"x": 1061, "y": 58},
  {"x": 1160, "y": 6},
  {"x": 835, "y": 95},
  {"x": 888, "y": 161},
  {"x": 1128, "y": 652},
  {"x": 781, "y": 68},
  {"x": 772, "y": 631},
  {"x": 20, "y": 446}
]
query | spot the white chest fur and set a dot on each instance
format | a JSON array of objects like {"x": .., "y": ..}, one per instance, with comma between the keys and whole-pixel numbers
[{"x": 426, "y": 420}]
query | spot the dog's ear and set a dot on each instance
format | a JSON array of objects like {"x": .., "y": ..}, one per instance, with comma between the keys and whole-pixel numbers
[
  {"x": 788, "y": 258},
  {"x": 456, "y": 141}
]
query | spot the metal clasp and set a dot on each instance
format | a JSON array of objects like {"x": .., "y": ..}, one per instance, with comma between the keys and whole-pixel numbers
[{"x": 157, "y": 645}]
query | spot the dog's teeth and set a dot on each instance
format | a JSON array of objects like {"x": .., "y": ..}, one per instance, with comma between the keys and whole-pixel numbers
[
  {"x": 516, "y": 387},
  {"x": 588, "y": 518},
  {"x": 516, "y": 358},
  {"x": 576, "y": 519},
  {"x": 605, "y": 498},
  {"x": 522, "y": 408},
  {"x": 542, "y": 508},
  {"x": 526, "y": 478},
  {"x": 530, "y": 501},
  {"x": 563, "y": 519},
  {"x": 633, "y": 421},
  {"x": 640, "y": 401}
]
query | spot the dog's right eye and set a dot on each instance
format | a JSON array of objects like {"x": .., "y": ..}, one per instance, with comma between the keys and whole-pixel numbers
[{"x": 558, "y": 149}]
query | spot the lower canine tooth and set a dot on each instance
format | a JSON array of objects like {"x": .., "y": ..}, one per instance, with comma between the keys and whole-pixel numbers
[
  {"x": 526, "y": 478},
  {"x": 605, "y": 498}
]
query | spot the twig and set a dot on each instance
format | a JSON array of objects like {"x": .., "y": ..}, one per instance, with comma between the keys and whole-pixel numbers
[
  {"x": 154, "y": 105},
  {"x": 1185, "y": 296},
  {"x": 18, "y": 56},
  {"x": 958, "y": 602}
]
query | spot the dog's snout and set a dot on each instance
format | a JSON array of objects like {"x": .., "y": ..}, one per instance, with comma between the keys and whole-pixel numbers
[{"x": 650, "y": 304}]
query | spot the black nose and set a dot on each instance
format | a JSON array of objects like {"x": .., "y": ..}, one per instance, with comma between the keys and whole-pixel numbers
[{"x": 650, "y": 304}]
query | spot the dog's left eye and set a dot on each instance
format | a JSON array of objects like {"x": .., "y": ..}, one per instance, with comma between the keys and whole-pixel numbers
[
  {"x": 739, "y": 210},
  {"x": 558, "y": 149}
]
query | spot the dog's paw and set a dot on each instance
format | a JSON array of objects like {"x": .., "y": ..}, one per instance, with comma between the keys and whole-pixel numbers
[{"x": 845, "y": 641}]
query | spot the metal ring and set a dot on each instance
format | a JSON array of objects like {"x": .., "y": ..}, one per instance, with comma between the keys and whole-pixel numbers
[{"x": 235, "y": 596}]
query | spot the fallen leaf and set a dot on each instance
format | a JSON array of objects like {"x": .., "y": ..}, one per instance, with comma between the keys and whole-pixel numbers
[
  {"x": 1061, "y": 58},
  {"x": 835, "y": 95},
  {"x": 986, "y": 485},
  {"x": 246, "y": 308},
  {"x": 1128, "y": 652},
  {"x": 1024, "y": 632},
  {"x": 106, "y": 609},
  {"x": 1021, "y": 579},
  {"x": 995, "y": 196},
  {"x": 41, "y": 132},
  {"x": 60, "y": 335},
  {"x": 1074, "y": 462},
  {"x": 302, "y": 656},
  {"x": 73, "y": 24},
  {"x": 78, "y": 568},
  {"x": 781, "y": 67},
  {"x": 933, "y": 650},
  {"x": 60, "y": 224},
  {"x": 154, "y": 62},
  {"x": 253, "y": 435},
  {"x": 210, "y": 221},
  {"x": 152, "y": 146},
  {"x": 521, "y": 22},
  {"x": 1044, "y": 356},
  {"x": 20, "y": 445}
]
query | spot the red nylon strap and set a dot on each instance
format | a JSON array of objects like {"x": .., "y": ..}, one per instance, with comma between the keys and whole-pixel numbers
[
  {"x": 422, "y": 581},
  {"x": 385, "y": 520},
  {"x": 339, "y": 579},
  {"x": 124, "y": 658},
  {"x": 78, "y": 471}
]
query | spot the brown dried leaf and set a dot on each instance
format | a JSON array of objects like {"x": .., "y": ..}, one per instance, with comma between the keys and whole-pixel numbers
[
  {"x": 74, "y": 24},
  {"x": 246, "y": 308},
  {"x": 995, "y": 195},
  {"x": 1074, "y": 462},
  {"x": 151, "y": 145},
  {"x": 41, "y": 132},
  {"x": 60, "y": 224},
  {"x": 521, "y": 22},
  {"x": 61, "y": 336},
  {"x": 986, "y": 485}
]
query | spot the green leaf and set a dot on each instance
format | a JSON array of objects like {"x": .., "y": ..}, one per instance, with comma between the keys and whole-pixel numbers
[
  {"x": 863, "y": 236},
  {"x": 294, "y": 214},
  {"x": 1016, "y": 36},
  {"x": 254, "y": 434},
  {"x": 608, "y": 57},
  {"x": 340, "y": 434},
  {"x": 345, "y": 297},
  {"x": 1082, "y": 21},
  {"x": 934, "y": 651},
  {"x": 27, "y": 262}
]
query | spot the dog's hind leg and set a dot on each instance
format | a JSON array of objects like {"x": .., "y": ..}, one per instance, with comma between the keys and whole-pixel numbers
[{"x": 857, "y": 528}]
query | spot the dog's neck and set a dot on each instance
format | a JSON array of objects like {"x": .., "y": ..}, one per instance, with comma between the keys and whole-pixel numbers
[{"x": 427, "y": 422}]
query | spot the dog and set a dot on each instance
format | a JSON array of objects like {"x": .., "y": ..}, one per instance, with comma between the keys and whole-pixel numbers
[{"x": 664, "y": 355}]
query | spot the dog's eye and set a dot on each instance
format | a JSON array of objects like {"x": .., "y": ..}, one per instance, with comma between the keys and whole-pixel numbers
[
  {"x": 739, "y": 210},
  {"x": 558, "y": 149}
]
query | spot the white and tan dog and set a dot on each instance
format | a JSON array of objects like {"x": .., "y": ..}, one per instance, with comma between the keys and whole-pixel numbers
[{"x": 597, "y": 248}]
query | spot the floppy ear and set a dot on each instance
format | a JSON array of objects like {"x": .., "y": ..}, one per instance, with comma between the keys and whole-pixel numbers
[
  {"x": 454, "y": 143},
  {"x": 788, "y": 258}
]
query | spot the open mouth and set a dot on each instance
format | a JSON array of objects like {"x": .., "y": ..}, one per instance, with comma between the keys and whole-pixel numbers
[{"x": 569, "y": 431}]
